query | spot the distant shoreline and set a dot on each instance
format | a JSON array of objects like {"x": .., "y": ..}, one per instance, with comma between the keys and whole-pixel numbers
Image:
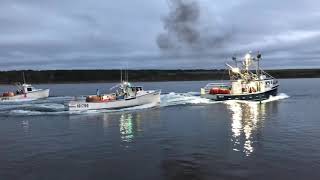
[{"x": 103, "y": 76}]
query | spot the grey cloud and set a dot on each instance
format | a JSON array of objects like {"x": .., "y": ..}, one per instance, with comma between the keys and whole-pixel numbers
[{"x": 46, "y": 34}]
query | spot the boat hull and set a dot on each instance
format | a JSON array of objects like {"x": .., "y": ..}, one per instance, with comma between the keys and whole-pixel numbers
[
  {"x": 39, "y": 94},
  {"x": 153, "y": 97},
  {"x": 247, "y": 97}
]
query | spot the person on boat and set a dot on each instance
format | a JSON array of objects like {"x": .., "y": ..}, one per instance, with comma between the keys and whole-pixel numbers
[
  {"x": 98, "y": 92},
  {"x": 19, "y": 92}
]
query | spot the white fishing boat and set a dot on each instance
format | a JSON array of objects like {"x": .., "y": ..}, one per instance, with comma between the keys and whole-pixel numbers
[
  {"x": 247, "y": 82},
  {"x": 124, "y": 96},
  {"x": 24, "y": 92}
]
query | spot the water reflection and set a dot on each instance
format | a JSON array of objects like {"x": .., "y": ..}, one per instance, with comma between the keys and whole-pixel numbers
[
  {"x": 126, "y": 127},
  {"x": 25, "y": 126},
  {"x": 246, "y": 120},
  {"x": 129, "y": 126}
]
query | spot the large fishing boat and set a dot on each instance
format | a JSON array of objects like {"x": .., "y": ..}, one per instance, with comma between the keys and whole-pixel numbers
[
  {"x": 247, "y": 82},
  {"x": 125, "y": 95},
  {"x": 24, "y": 92}
]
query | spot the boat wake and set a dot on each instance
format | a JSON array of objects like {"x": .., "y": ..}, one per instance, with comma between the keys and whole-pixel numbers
[
  {"x": 174, "y": 99},
  {"x": 276, "y": 98},
  {"x": 18, "y": 100},
  {"x": 55, "y": 105}
]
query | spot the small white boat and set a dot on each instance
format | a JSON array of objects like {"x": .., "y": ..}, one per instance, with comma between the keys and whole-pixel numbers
[
  {"x": 125, "y": 96},
  {"x": 24, "y": 92}
]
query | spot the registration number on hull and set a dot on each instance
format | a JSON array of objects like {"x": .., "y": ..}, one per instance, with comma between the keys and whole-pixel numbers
[{"x": 82, "y": 105}]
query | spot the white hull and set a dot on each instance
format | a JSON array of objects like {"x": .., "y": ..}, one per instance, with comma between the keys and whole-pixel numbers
[
  {"x": 150, "y": 97},
  {"x": 38, "y": 94}
]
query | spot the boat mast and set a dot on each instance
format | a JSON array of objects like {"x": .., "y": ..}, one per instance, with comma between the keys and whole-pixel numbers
[
  {"x": 127, "y": 76},
  {"x": 258, "y": 68},
  {"x": 246, "y": 63},
  {"x": 23, "y": 78},
  {"x": 121, "y": 75}
]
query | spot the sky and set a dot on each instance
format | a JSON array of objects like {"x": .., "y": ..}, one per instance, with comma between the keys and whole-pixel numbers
[{"x": 157, "y": 34}]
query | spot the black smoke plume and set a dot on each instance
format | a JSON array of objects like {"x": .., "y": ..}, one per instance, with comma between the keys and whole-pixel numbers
[{"x": 183, "y": 29}]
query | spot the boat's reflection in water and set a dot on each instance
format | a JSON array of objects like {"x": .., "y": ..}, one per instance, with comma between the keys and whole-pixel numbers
[
  {"x": 129, "y": 125},
  {"x": 247, "y": 120},
  {"x": 122, "y": 126}
]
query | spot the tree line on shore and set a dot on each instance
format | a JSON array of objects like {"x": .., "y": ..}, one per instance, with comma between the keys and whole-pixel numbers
[{"x": 70, "y": 76}]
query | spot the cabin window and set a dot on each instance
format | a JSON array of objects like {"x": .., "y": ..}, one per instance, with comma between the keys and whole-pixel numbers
[
  {"x": 268, "y": 83},
  {"x": 29, "y": 89}
]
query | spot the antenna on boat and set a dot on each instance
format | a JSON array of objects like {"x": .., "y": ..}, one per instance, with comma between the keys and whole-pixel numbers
[
  {"x": 127, "y": 76},
  {"x": 120, "y": 75},
  {"x": 23, "y": 78}
]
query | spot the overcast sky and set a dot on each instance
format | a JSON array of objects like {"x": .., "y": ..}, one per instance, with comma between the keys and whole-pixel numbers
[{"x": 109, "y": 34}]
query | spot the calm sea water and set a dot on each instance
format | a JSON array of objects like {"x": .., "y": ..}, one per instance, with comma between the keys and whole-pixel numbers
[{"x": 185, "y": 138}]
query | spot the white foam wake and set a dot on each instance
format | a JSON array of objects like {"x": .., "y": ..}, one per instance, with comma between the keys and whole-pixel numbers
[
  {"x": 276, "y": 98},
  {"x": 173, "y": 99},
  {"x": 54, "y": 106},
  {"x": 18, "y": 112}
]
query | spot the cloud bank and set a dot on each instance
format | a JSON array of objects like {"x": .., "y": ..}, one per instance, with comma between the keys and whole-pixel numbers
[{"x": 167, "y": 34}]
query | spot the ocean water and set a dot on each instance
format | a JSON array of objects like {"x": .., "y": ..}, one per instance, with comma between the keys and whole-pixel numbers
[{"x": 185, "y": 137}]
